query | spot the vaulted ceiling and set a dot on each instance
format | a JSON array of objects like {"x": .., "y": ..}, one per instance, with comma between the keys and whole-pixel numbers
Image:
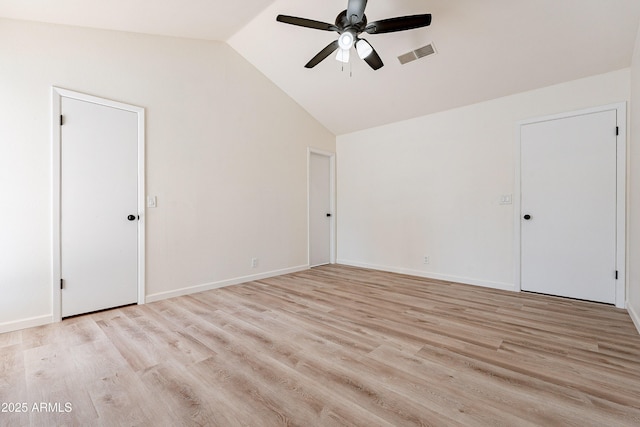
[{"x": 485, "y": 49}]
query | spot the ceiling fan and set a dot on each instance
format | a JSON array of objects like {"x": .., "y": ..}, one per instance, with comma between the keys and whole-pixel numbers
[{"x": 352, "y": 22}]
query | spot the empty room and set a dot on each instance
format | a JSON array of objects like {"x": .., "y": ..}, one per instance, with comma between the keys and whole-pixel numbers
[{"x": 338, "y": 213}]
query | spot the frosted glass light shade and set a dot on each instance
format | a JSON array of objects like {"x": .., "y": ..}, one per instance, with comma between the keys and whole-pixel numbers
[
  {"x": 364, "y": 48},
  {"x": 346, "y": 40},
  {"x": 343, "y": 55}
]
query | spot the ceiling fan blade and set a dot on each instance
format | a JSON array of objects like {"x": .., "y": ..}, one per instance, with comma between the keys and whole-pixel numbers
[
  {"x": 373, "y": 59},
  {"x": 331, "y": 47},
  {"x": 356, "y": 8},
  {"x": 307, "y": 23},
  {"x": 401, "y": 23}
]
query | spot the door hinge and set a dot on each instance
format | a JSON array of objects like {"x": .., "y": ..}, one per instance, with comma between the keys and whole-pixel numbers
[
  {"x": 61, "y": 119},
  {"x": 617, "y": 130},
  {"x": 616, "y": 274},
  {"x": 61, "y": 283}
]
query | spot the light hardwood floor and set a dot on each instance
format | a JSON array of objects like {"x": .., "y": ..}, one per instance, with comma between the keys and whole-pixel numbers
[{"x": 331, "y": 346}]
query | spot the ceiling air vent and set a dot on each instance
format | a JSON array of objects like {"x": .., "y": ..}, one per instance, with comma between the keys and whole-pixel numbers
[{"x": 417, "y": 54}]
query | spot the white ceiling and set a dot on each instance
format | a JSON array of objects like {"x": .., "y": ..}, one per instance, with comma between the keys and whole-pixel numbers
[
  {"x": 198, "y": 19},
  {"x": 486, "y": 49}
]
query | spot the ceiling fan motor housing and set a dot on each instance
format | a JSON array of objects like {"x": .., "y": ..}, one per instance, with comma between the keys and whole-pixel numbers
[{"x": 344, "y": 23}]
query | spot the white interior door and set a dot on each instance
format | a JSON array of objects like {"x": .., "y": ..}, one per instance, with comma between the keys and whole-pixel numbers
[
  {"x": 320, "y": 215},
  {"x": 568, "y": 206},
  {"x": 98, "y": 207}
]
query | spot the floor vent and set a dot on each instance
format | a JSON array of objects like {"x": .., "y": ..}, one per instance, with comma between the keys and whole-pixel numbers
[{"x": 417, "y": 54}]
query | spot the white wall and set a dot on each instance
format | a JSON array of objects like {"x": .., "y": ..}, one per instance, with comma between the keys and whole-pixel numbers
[
  {"x": 431, "y": 186},
  {"x": 226, "y": 157},
  {"x": 634, "y": 190}
]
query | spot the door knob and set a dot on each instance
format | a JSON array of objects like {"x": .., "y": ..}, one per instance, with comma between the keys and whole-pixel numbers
[
  {"x": 527, "y": 217},
  {"x": 328, "y": 215},
  {"x": 131, "y": 217}
]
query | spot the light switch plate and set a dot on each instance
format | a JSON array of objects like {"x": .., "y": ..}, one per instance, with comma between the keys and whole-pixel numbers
[
  {"x": 152, "y": 202},
  {"x": 506, "y": 199}
]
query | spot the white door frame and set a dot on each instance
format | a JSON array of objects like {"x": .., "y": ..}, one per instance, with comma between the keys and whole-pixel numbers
[
  {"x": 332, "y": 202},
  {"x": 621, "y": 191},
  {"x": 56, "y": 101}
]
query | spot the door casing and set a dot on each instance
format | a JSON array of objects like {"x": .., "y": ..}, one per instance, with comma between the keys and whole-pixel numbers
[
  {"x": 57, "y": 94},
  {"x": 332, "y": 203},
  {"x": 621, "y": 180}
]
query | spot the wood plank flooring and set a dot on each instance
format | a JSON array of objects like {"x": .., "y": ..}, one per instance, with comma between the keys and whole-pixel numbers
[{"x": 331, "y": 346}]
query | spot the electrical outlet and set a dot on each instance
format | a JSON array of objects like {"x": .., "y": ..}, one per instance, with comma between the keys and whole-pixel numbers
[
  {"x": 426, "y": 259},
  {"x": 254, "y": 262}
]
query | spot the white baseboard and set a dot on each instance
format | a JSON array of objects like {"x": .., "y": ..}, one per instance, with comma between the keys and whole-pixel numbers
[
  {"x": 634, "y": 316},
  {"x": 25, "y": 323},
  {"x": 435, "y": 276},
  {"x": 221, "y": 284}
]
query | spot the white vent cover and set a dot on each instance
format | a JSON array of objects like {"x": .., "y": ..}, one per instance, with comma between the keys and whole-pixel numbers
[{"x": 421, "y": 52}]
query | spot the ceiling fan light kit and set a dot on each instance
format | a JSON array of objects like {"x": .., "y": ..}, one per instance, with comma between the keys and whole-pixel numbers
[{"x": 350, "y": 23}]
